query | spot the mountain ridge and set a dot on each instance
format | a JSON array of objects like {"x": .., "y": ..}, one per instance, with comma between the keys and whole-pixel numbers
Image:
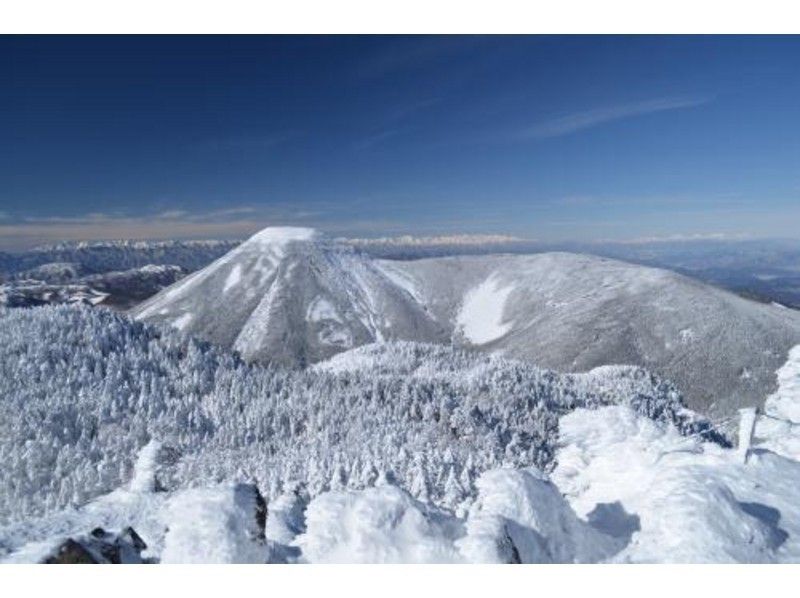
[{"x": 294, "y": 297}]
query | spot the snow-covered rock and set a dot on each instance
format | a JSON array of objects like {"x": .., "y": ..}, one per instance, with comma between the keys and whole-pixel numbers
[
  {"x": 521, "y": 517},
  {"x": 377, "y": 525},
  {"x": 676, "y": 499},
  {"x": 215, "y": 525}
]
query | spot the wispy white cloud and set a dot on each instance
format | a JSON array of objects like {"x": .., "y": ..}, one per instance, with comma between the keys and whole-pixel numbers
[
  {"x": 394, "y": 122},
  {"x": 404, "y": 53},
  {"x": 172, "y": 214},
  {"x": 207, "y": 215},
  {"x": 247, "y": 142},
  {"x": 578, "y": 121},
  {"x": 377, "y": 138}
]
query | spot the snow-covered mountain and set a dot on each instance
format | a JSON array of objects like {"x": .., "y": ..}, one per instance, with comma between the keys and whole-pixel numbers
[
  {"x": 290, "y": 296},
  {"x": 51, "y": 262},
  {"x": 575, "y": 312},
  {"x": 293, "y": 297},
  {"x": 59, "y": 283},
  {"x": 116, "y": 274}
]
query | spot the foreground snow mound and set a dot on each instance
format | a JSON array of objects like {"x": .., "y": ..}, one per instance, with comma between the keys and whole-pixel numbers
[
  {"x": 215, "y": 525},
  {"x": 673, "y": 498},
  {"x": 521, "y": 517},
  {"x": 287, "y": 516},
  {"x": 35, "y": 539},
  {"x": 691, "y": 518},
  {"x": 378, "y": 525},
  {"x": 626, "y": 489}
]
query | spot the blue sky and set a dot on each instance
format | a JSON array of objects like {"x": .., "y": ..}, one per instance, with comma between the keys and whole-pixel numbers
[{"x": 545, "y": 137}]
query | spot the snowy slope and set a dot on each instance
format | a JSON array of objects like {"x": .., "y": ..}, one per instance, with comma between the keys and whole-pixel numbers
[
  {"x": 291, "y": 296},
  {"x": 287, "y": 295},
  {"x": 573, "y": 313}
]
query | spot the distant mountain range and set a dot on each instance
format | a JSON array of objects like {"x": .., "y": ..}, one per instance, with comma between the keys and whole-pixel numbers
[
  {"x": 115, "y": 274},
  {"x": 766, "y": 270}
]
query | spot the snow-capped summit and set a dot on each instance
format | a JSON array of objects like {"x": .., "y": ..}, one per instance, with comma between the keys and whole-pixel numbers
[
  {"x": 284, "y": 234},
  {"x": 292, "y": 296}
]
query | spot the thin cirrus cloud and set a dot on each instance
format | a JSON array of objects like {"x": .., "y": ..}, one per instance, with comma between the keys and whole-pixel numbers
[{"x": 579, "y": 121}]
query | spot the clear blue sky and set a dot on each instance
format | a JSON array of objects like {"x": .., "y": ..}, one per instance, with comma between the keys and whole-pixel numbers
[{"x": 577, "y": 137}]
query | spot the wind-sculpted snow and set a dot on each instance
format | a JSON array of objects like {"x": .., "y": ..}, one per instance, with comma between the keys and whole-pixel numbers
[
  {"x": 81, "y": 391},
  {"x": 674, "y": 498},
  {"x": 290, "y": 296}
]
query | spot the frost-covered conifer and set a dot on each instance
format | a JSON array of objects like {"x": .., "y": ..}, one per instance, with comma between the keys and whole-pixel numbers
[{"x": 82, "y": 391}]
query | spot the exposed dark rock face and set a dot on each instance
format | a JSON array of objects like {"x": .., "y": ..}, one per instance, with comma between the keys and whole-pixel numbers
[
  {"x": 249, "y": 497},
  {"x": 100, "y": 547},
  {"x": 71, "y": 552}
]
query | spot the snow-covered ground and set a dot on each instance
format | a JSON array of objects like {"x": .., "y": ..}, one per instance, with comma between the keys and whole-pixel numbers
[{"x": 626, "y": 488}]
